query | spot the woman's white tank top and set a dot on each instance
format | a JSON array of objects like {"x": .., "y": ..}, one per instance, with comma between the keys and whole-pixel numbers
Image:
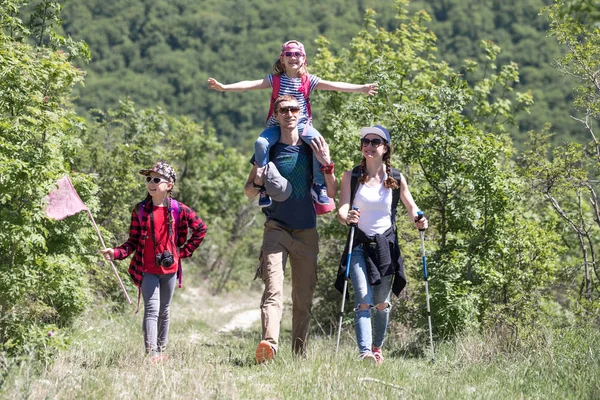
[{"x": 374, "y": 203}]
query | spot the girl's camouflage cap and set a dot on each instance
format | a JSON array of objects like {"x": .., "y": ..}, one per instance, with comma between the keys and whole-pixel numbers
[{"x": 161, "y": 168}]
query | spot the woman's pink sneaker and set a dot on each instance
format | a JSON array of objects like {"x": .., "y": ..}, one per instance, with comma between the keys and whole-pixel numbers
[
  {"x": 378, "y": 355},
  {"x": 368, "y": 356}
]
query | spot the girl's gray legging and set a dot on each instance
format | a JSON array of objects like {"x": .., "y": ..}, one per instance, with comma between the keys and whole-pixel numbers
[{"x": 157, "y": 291}]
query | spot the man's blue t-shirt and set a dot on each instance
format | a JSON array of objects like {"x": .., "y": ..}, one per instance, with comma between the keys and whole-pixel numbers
[{"x": 294, "y": 164}]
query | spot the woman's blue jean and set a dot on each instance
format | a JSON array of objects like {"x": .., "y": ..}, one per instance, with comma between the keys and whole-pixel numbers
[
  {"x": 270, "y": 136},
  {"x": 371, "y": 324}
]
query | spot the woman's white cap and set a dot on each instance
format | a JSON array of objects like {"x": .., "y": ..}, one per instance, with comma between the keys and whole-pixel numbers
[{"x": 376, "y": 130}]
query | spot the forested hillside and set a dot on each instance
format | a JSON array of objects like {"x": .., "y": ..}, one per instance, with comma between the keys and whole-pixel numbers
[
  {"x": 162, "y": 52},
  {"x": 521, "y": 32}
]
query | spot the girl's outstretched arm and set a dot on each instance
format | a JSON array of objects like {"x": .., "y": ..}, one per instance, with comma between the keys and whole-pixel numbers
[
  {"x": 369, "y": 89},
  {"x": 241, "y": 86}
]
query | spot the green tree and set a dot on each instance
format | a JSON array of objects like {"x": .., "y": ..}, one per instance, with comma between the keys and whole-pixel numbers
[
  {"x": 162, "y": 52},
  {"x": 452, "y": 144},
  {"x": 567, "y": 175},
  {"x": 587, "y": 11},
  {"x": 517, "y": 28},
  {"x": 209, "y": 179},
  {"x": 42, "y": 263}
]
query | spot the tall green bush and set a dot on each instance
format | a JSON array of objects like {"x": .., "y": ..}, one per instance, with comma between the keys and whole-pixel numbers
[
  {"x": 210, "y": 178},
  {"x": 450, "y": 140},
  {"x": 42, "y": 263},
  {"x": 50, "y": 270},
  {"x": 567, "y": 175}
]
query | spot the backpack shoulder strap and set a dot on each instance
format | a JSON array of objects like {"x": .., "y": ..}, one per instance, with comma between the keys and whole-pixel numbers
[
  {"x": 305, "y": 90},
  {"x": 141, "y": 211},
  {"x": 354, "y": 183},
  {"x": 395, "y": 194},
  {"x": 276, "y": 84},
  {"x": 175, "y": 208}
]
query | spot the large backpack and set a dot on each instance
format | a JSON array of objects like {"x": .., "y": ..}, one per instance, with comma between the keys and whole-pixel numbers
[
  {"x": 395, "y": 194},
  {"x": 304, "y": 89}
]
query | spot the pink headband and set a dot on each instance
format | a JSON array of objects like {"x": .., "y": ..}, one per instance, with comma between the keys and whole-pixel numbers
[{"x": 293, "y": 44}]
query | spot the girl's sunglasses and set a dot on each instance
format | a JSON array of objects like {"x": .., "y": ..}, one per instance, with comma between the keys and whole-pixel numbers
[
  {"x": 373, "y": 142},
  {"x": 285, "y": 110},
  {"x": 156, "y": 180},
  {"x": 292, "y": 54}
]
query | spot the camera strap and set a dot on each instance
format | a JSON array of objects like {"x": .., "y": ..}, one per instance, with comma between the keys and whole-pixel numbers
[{"x": 169, "y": 231}]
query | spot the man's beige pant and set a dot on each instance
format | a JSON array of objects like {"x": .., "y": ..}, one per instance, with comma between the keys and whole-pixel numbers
[{"x": 301, "y": 247}]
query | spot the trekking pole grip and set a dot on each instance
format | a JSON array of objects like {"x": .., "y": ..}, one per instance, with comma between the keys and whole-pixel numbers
[
  {"x": 420, "y": 216},
  {"x": 356, "y": 209}
]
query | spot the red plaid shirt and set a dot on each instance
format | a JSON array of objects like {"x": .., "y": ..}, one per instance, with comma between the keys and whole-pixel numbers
[{"x": 188, "y": 220}]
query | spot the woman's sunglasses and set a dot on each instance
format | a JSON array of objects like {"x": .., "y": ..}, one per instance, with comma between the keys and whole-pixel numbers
[
  {"x": 292, "y": 54},
  {"x": 156, "y": 180},
  {"x": 373, "y": 142},
  {"x": 285, "y": 110}
]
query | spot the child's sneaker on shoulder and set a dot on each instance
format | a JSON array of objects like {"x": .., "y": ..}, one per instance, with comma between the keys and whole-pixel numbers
[
  {"x": 319, "y": 193},
  {"x": 264, "y": 200}
]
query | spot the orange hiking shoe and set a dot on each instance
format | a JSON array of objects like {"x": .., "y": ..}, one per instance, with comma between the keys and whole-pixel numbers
[{"x": 264, "y": 352}]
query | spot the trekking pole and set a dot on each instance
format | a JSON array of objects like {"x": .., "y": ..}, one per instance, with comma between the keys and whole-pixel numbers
[
  {"x": 426, "y": 279},
  {"x": 352, "y": 226}
]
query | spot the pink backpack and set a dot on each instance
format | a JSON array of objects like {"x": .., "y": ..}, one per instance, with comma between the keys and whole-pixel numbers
[{"x": 304, "y": 89}]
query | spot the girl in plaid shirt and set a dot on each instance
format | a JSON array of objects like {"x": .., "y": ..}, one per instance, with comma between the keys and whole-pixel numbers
[{"x": 158, "y": 239}]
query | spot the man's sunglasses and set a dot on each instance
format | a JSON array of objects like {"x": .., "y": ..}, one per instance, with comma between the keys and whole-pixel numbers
[
  {"x": 156, "y": 180},
  {"x": 373, "y": 142},
  {"x": 292, "y": 54},
  {"x": 285, "y": 110}
]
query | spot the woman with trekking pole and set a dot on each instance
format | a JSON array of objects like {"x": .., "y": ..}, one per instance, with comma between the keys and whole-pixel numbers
[{"x": 368, "y": 199}]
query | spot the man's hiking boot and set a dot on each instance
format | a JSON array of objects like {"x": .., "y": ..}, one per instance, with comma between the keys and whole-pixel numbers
[
  {"x": 378, "y": 355},
  {"x": 319, "y": 193},
  {"x": 369, "y": 357},
  {"x": 264, "y": 352},
  {"x": 264, "y": 200}
]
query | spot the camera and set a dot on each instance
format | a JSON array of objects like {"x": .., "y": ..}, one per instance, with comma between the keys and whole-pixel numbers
[{"x": 165, "y": 259}]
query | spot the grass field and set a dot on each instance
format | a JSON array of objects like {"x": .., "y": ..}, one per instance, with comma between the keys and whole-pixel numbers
[{"x": 106, "y": 361}]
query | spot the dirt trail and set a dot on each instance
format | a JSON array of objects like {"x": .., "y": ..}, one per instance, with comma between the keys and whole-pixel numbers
[
  {"x": 243, "y": 320},
  {"x": 225, "y": 312}
]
